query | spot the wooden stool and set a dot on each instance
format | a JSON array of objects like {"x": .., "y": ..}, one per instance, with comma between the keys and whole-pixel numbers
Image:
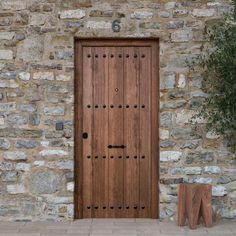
[{"x": 194, "y": 201}]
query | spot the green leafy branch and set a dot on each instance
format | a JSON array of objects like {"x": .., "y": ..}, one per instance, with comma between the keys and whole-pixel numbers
[{"x": 219, "y": 78}]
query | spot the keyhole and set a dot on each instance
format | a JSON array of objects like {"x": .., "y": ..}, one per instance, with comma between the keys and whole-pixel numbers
[{"x": 116, "y": 89}]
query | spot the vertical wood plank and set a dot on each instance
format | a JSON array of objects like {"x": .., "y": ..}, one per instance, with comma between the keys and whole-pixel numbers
[
  {"x": 155, "y": 131},
  {"x": 145, "y": 131},
  {"x": 100, "y": 132},
  {"x": 78, "y": 161},
  {"x": 131, "y": 131},
  {"x": 116, "y": 178},
  {"x": 87, "y": 127}
]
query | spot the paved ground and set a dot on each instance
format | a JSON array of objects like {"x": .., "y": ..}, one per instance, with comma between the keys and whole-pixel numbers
[{"x": 113, "y": 227}]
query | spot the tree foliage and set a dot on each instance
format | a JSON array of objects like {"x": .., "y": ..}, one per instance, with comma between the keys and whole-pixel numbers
[{"x": 219, "y": 78}]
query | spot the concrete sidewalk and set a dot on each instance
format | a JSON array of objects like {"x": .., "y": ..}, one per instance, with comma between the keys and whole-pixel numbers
[{"x": 113, "y": 227}]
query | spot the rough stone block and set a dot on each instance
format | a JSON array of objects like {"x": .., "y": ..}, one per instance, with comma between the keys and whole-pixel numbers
[
  {"x": 184, "y": 117},
  {"x": 43, "y": 76},
  {"x": 203, "y": 12},
  {"x": 39, "y": 163},
  {"x": 154, "y": 5},
  {"x": 164, "y": 134},
  {"x": 182, "y": 36},
  {"x": 200, "y": 157},
  {"x": 192, "y": 170},
  {"x": 10, "y": 106},
  {"x": 99, "y": 13},
  {"x": 24, "y": 76},
  {"x": 180, "y": 13},
  {"x": 7, "y": 35},
  {"x": 167, "y": 144},
  {"x": 63, "y": 55},
  {"x": 30, "y": 49},
  {"x": 98, "y": 25},
  {"x": 72, "y": 14},
  {"x": 175, "y": 24},
  {"x": 4, "y": 144},
  {"x": 168, "y": 80},
  {"x": 202, "y": 180},
  {"x": 34, "y": 119},
  {"x": 219, "y": 191},
  {"x": 27, "y": 107},
  {"x": 168, "y": 156},
  {"x": 164, "y": 14},
  {"x": 16, "y": 188},
  {"x": 70, "y": 186},
  {"x": 6, "y": 54},
  {"x": 212, "y": 170},
  {"x": 13, "y": 4},
  {"x": 62, "y": 77},
  {"x": 181, "y": 81},
  {"x": 190, "y": 145},
  {"x": 170, "y": 5},
  {"x": 228, "y": 213},
  {"x": 53, "y": 152},
  {"x": 15, "y": 156},
  {"x": 38, "y": 19},
  {"x": 8, "y": 84},
  {"x": 150, "y": 25},
  {"x": 173, "y": 104},
  {"x": 54, "y": 111},
  {"x": 142, "y": 15},
  {"x": 20, "y": 133},
  {"x": 44, "y": 182},
  {"x": 23, "y": 166},
  {"x": 28, "y": 144},
  {"x": 6, "y": 166},
  {"x": 57, "y": 89},
  {"x": 62, "y": 165},
  {"x": 166, "y": 119},
  {"x": 211, "y": 135},
  {"x": 8, "y": 75},
  {"x": 9, "y": 176},
  {"x": 182, "y": 133},
  {"x": 17, "y": 119}
]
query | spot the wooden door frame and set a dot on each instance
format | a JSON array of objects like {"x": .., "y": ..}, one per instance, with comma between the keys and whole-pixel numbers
[{"x": 78, "y": 121}]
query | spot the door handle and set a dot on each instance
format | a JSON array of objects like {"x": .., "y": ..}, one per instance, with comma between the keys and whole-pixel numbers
[{"x": 116, "y": 146}]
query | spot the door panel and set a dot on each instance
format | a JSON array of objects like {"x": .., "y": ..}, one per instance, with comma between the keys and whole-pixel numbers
[
  {"x": 145, "y": 127},
  {"x": 100, "y": 131},
  {"x": 116, "y": 122},
  {"x": 87, "y": 127},
  {"x": 131, "y": 130},
  {"x": 117, "y": 160}
]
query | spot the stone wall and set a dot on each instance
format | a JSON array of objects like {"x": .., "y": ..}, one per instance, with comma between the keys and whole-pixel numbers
[{"x": 36, "y": 91}]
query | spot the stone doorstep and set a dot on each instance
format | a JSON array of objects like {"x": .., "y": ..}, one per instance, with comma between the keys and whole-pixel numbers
[
  {"x": 9, "y": 230},
  {"x": 42, "y": 230},
  {"x": 19, "y": 234},
  {"x": 62, "y": 234},
  {"x": 117, "y": 234},
  {"x": 226, "y": 228}
]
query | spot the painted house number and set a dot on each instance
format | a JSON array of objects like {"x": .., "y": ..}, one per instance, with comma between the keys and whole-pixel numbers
[{"x": 116, "y": 26}]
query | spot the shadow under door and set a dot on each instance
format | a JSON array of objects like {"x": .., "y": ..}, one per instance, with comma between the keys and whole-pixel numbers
[{"x": 116, "y": 164}]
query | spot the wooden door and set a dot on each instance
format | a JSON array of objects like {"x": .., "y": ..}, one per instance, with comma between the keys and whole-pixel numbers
[{"x": 116, "y": 148}]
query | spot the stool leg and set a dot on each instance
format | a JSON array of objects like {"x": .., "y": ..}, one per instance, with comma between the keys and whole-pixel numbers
[
  {"x": 193, "y": 205},
  {"x": 206, "y": 207},
  {"x": 199, "y": 216},
  {"x": 181, "y": 205}
]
